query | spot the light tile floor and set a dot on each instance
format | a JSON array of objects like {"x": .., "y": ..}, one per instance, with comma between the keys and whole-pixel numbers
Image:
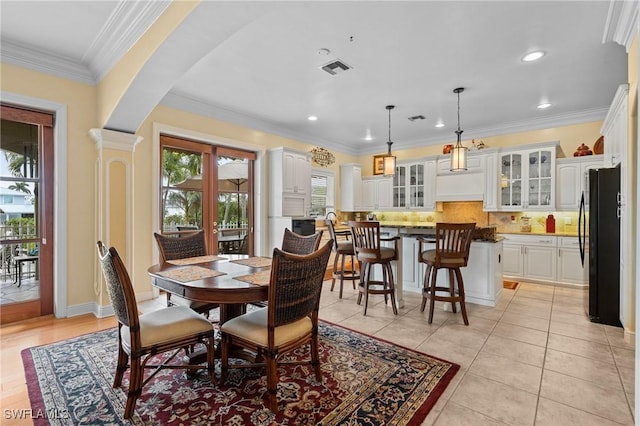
[{"x": 534, "y": 359}]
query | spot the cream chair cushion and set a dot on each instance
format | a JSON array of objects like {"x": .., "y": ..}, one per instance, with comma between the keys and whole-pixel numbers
[
  {"x": 253, "y": 327},
  {"x": 166, "y": 325},
  {"x": 429, "y": 257},
  {"x": 386, "y": 253},
  {"x": 345, "y": 247}
]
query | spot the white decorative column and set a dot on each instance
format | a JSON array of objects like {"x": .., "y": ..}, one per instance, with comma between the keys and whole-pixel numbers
[{"x": 114, "y": 196}]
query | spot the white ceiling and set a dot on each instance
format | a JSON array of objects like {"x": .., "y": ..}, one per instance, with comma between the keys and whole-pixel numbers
[{"x": 258, "y": 64}]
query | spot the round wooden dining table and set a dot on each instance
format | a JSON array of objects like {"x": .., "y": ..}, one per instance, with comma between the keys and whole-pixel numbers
[{"x": 231, "y": 294}]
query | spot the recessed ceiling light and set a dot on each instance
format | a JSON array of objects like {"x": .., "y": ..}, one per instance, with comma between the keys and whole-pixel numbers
[
  {"x": 544, "y": 105},
  {"x": 368, "y": 136},
  {"x": 440, "y": 125},
  {"x": 324, "y": 51},
  {"x": 312, "y": 118},
  {"x": 533, "y": 56}
]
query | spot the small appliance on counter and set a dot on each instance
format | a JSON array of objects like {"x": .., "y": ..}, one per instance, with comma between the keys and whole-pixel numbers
[{"x": 551, "y": 224}]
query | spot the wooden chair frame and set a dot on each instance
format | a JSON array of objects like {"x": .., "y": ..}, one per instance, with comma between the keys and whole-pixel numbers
[
  {"x": 342, "y": 250},
  {"x": 137, "y": 357},
  {"x": 294, "y": 294}
]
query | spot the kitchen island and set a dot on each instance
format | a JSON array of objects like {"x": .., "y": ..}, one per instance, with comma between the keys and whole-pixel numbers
[{"x": 482, "y": 276}]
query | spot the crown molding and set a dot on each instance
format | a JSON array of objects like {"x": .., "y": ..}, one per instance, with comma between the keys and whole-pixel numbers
[
  {"x": 621, "y": 25},
  {"x": 27, "y": 56},
  {"x": 128, "y": 22}
]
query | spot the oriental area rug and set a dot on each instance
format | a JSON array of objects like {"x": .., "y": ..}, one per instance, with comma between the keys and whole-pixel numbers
[{"x": 366, "y": 381}]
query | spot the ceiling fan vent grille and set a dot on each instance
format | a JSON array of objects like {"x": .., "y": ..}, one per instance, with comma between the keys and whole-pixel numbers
[{"x": 335, "y": 67}]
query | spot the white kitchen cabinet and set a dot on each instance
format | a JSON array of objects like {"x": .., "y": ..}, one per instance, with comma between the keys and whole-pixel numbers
[
  {"x": 530, "y": 256},
  {"x": 376, "y": 193},
  {"x": 289, "y": 182},
  {"x": 410, "y": 188},
  {"x": 491, "y": 183},
  {"x": 529, "y": 177},
  {"x": 570, "y": 268},
  {"x": 571, "y": 180},
  {"x": 615, "y": 128},
  {"x": 351, "y": 188}
]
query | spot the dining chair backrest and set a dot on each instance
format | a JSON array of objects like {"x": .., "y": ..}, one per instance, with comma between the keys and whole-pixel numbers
[
  {"x": 119, "y": 287},
  {"x": 453, "y": 241},
  {"x": 366, "y": 238},
  {"x": 300, "y": 244},
  {"x": 332, "y": 233},
  {"x": 295, "y": 285},
  {"x": 172, "y": 248}
]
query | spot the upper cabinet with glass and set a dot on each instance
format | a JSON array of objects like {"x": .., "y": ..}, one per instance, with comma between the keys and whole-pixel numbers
[
  {"x": 414, "y": 186},
  {"x": 528, "y": 179}
]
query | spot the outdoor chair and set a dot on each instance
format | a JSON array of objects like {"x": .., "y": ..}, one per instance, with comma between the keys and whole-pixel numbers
[
  {"x": 140, "y": 337},
  {"x": 288, "y": 322},
  {"x": 172, "y": 248}
]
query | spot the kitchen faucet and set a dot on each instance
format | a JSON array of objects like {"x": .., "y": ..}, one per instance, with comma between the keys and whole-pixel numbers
[{"x": 328, "y": 215}]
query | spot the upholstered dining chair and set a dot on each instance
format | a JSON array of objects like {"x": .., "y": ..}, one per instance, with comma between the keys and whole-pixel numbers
[
  {"x": 289, "y": 321},
  {"x": 342, "y": 248},
  {"x": 172, "y": 248},
  {"x": 140, "y": 337},
  {"x": 300, "y": 244},
  {"x": 369, "y": 250},
  {"x": 453, "y": 243}
]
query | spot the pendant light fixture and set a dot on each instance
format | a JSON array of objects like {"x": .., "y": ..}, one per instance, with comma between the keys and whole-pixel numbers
[
  {"x": 389, "y": 161},
  {"x": 459, "y": 152}
]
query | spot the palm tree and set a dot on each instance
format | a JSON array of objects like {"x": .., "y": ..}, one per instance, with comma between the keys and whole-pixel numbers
[{"x": 20, "y": 186}]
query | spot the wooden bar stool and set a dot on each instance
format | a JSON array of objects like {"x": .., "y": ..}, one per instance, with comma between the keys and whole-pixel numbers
[
  {"x": 342, "y": 249},
  {"x": 366, "y": 241},
  {"x": 453, "y": 242}
]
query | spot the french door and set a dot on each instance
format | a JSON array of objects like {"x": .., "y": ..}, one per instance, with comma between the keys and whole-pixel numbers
[
  {"x": 208, "y": 187},
  {"x": 26, "y": 214}
]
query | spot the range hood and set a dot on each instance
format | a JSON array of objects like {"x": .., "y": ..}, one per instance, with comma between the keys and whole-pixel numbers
[{"x": 460, "y": 187}]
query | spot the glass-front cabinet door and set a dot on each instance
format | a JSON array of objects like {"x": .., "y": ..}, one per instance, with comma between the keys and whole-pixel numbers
[
  {"x": 540, "y": 179},
  {"x": 511, "y": 181},
  {"x": 400, "y": 187},
  {"x": 416, "y": 185}
]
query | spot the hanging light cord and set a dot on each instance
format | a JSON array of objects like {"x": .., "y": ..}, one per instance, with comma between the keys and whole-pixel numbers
[
  {"x": 459, "y": 132},
  {"x": 389, "y": 108}
]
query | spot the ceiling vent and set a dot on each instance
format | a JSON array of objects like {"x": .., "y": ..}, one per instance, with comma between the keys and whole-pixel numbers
[
  {"x": 335, "y": 67},
  {"x": 417, "y": 117}
]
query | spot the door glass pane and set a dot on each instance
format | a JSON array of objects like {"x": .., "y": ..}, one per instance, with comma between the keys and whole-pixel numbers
[
  {"x": 233, "y": 204},
  {"x": 181, "y": 190},
  {"x": 19, "y": 207}
]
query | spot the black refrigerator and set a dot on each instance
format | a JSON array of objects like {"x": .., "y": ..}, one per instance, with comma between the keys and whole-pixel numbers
[{"x": 602, "y": 300}]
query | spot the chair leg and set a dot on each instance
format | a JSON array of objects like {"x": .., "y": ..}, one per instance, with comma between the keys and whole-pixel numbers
[
  {"x": 452, "y": 291},
  {"x": 211, "y": 348},
  {"x": 425, "y": 287},
  {"x": 432, "y": 301},
  {"x": 335, "y": 265},
  {"x": 135, "y": 386},
  {"x": 353, "y": 271},
  {"x": 272, "y": 381},
  {"x": 392, "y": 287},
  {"x": 341, "y": 275},
  {"x": 315, "y": 358},
  {"x": 121, "y": 367},
  {"x": 463, "y": 307},
  {"x": 366, "y": 287}
]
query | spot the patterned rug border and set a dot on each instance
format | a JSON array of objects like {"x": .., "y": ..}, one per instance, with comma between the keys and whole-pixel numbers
[
  {"x": 37, "y": 401},
  {"x": 424, "y": 410}
]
